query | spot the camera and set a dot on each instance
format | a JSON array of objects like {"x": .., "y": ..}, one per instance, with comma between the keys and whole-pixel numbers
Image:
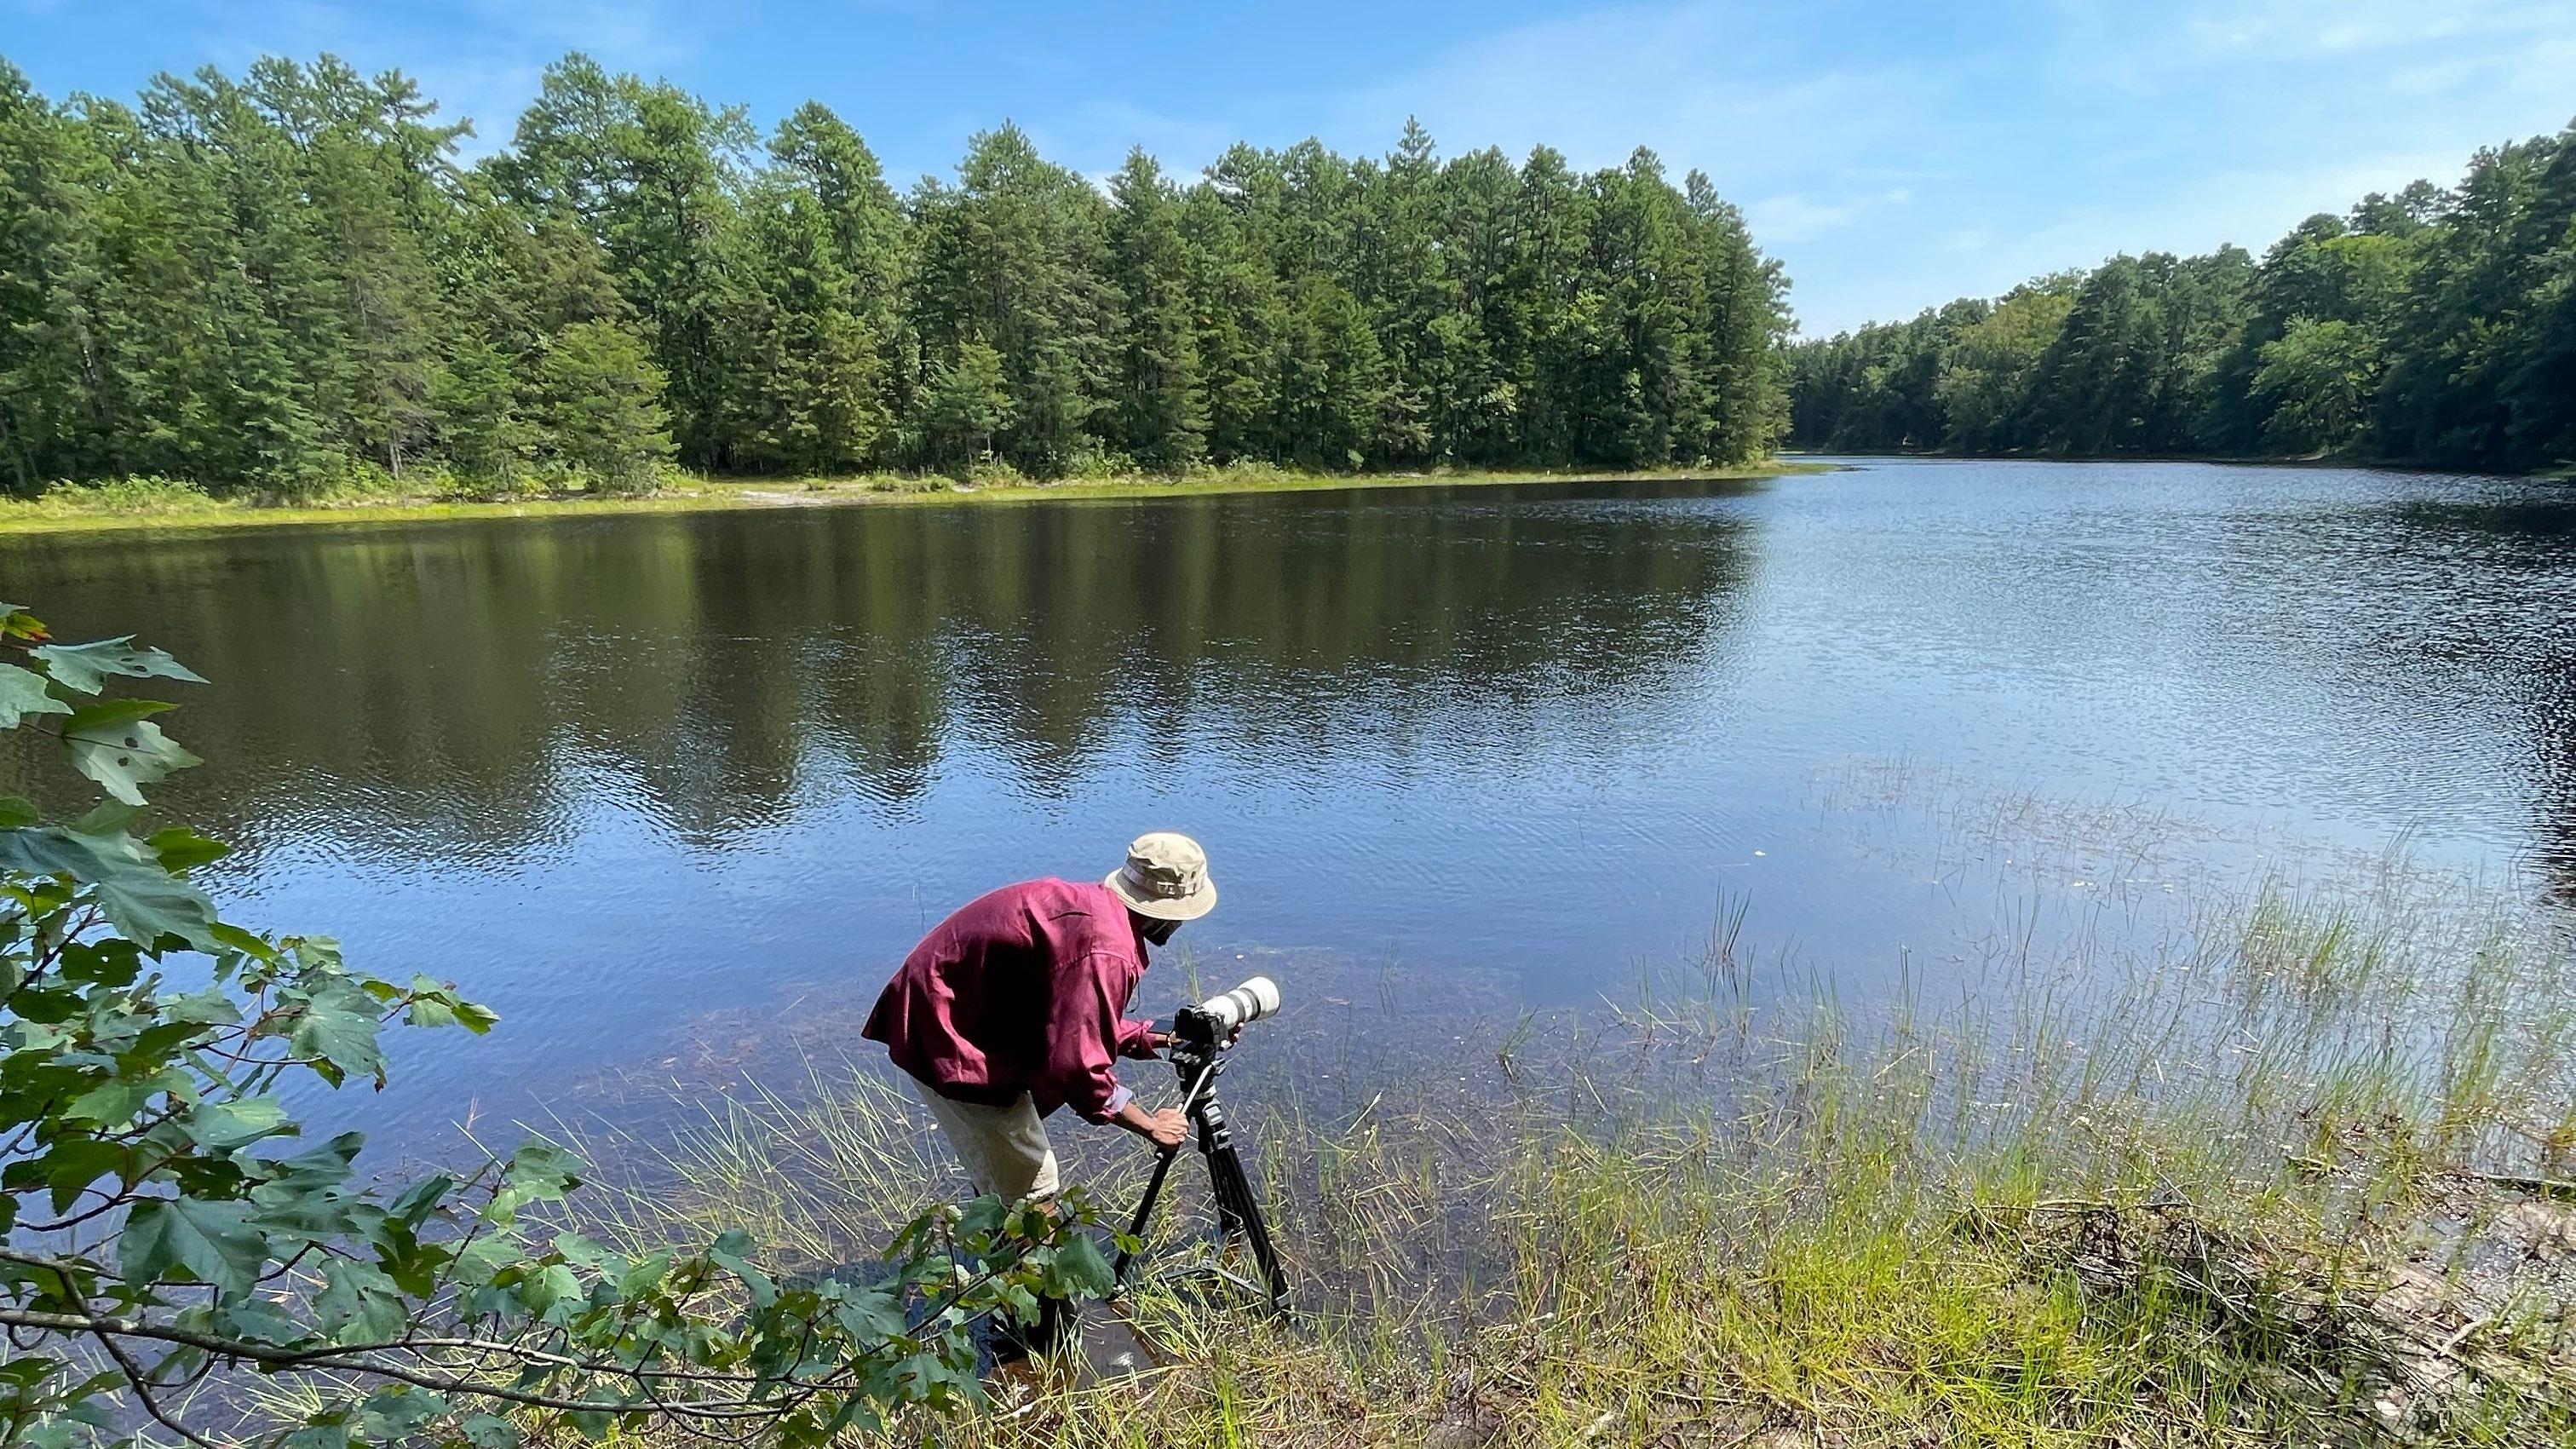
[{"x": 1212, "y": 1020}]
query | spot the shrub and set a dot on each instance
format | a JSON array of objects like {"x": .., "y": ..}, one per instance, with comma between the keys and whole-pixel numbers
[
  {"x": 149, "y": 493},
  {"x": 995, "y": 473},
  {"x": 1095, "y": 461}
]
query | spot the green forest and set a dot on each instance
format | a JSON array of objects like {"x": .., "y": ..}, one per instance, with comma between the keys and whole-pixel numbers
[
  {"x": 291, "y": 285},
  {"x": 2432, "y": 326}
]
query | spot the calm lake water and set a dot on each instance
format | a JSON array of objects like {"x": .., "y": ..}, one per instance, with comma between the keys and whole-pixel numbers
[{"x": 647, "y": 782}]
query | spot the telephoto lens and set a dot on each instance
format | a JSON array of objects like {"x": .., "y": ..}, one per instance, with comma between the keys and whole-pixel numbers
[{"x": 1251, "y": 1001}]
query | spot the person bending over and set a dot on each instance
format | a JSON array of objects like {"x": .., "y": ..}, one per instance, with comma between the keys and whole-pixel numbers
[{"x": 1016, "y": 1005}]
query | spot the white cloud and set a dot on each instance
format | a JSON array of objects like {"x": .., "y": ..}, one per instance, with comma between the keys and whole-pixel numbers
[
  {"x": 1795, "y": 217},
  {"x": 1718, "y": 85},
  {"x": 2296, "y": 29}
]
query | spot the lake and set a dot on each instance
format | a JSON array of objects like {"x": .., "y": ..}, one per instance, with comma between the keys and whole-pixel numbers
[{"x": 658, "y": 787}]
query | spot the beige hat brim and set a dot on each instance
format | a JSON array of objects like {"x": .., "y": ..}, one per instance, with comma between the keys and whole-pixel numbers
[{"x": 1176, "y": 908}]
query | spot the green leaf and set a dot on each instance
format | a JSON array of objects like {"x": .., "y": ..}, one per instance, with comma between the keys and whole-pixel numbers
[
  {"x": 234, "y": 938},
  {"x": 732, "y": 1253},
  {"x": 210, "y": 1007},
  {"x": 490, "y": 1431},
  {"x": 395, "y": 1414},
  {"x": 115, "y": 1102},
  {"x": 17, "y": 810},
  {"x": 327, "y": 1430},
  {"x": 143, "y": 901},
  {"x": 180, "y": 848},
  {"x": 538, "y": 1172},
  {"x": 479, "y": 1259},
  {"x": 73, "y": 1163},
  {"x": 208, "y": 1241},
  {"x": 543, "y": 1290},
  {"x": 107, "y": 817},
  {"x": 261, "y": 1321},
  {"x": 337, "y": 1033},
  {"x": 421, "y": 1199},
  {"x": 22, "y": 693},
  {"x": 86, "y": 667},
  {"x": 428, "y": 1011},
  {"x": 872, "y": 1315},
  {"x": 114, "y": 744},
  {"x": 1076, "y": 1269},
  {"x": 224, "y": 1126},
  {"x": 358, "y": 1303}
]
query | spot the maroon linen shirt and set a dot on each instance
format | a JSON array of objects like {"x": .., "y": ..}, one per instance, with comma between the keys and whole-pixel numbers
[{"x": 1023, "y": 990}]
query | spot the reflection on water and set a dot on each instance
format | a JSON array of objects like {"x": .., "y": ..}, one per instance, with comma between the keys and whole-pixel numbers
[
  {"x": 621, "y": 775},
  {"x": 462, "y": 694}
]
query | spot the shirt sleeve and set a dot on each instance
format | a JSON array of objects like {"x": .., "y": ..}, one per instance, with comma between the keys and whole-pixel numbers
[
  {"x": 1085, "y": 1032},
  {"x": 1131, "y": 1040}
]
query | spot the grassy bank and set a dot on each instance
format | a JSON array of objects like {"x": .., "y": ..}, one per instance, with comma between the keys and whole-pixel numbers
[
  {"x": 2285, "y": 1168},
  {"x": 173, "y": 506}
]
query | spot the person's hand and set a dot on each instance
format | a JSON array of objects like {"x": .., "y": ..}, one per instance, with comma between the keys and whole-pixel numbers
[
  {"x": 1167, "y": 1128},
  {"x": 1157, "y": 1041}
]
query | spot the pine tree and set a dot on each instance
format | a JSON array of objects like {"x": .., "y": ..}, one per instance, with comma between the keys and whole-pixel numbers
[
  {"x": 1746, "y": 320},
  {"x": 604, "y": 414},
  {"x": 55, "y": 402},
  {"x": 1162, "y": 411},
  {"x": 966, "y": 400},
  {"x": 1011, "y": 257},
  {"x": 1240, "y": 316}
]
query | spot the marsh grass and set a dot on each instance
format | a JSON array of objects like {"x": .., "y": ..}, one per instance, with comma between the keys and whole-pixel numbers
[{"x": 2269, "y": 1166}]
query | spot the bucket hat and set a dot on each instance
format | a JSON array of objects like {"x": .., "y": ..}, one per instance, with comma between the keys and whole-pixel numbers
[{"x": 1165, "y": 877}]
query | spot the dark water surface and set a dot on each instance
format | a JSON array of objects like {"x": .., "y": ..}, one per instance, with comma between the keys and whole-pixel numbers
[{"x": 621, "y": 777}]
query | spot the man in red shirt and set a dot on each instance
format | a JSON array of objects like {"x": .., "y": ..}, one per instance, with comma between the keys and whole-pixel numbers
[{"x": 1016, "y": 1005}]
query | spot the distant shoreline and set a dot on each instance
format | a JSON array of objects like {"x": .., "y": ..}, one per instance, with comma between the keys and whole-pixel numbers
[
  {"x": 2224, "y": 460},
  {"x": 746, "y": 495}
]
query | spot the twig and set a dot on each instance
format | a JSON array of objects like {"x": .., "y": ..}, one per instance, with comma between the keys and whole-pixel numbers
[{"x": 2546, "y": 1186}]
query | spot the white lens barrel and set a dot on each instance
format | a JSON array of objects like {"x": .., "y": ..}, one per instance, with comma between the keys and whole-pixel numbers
[{"x": 1251, "y": 1001}]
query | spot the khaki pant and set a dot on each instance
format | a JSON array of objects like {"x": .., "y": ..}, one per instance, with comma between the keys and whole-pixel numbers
[{"x": 1003, "y": 1149}]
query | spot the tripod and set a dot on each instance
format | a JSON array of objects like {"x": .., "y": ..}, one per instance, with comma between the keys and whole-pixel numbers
[{"x": 1238, "y": 1208}]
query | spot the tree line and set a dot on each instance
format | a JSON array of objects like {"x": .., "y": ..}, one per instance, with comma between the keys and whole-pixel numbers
[
  {"x": 289, "y": 284},
  {"x": 2433, "y": 326}
]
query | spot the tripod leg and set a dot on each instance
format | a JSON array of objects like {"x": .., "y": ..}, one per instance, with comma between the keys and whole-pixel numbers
[
  {"x": 1236, "y": 1200},
  {"x": 1229, "y": 1210},
  {"x": 1144, "y": 1210},
  {"x": 1192, "y": 1091}
]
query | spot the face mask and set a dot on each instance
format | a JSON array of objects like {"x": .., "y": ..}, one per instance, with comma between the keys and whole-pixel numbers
[{"x": 1159, "y": 932}]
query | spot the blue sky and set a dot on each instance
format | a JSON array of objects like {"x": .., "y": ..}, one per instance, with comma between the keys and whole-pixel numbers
[{"x": 1893, "y": 155}]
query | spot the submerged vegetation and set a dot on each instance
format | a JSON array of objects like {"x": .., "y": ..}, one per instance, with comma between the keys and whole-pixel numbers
[
  {"x": 287, "y": 286},
  {"x": 2281, "y": 1164},
  {"x": 2433, "y": 326}
]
